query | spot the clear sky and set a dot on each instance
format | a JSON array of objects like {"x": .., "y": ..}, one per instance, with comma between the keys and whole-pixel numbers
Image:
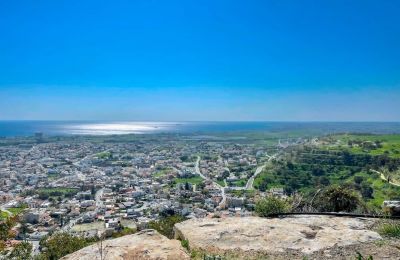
[{"x": 200, "y": 60}]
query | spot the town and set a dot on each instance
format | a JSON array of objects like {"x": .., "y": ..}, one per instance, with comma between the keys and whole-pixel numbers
[{"x": 90, "y": 186}]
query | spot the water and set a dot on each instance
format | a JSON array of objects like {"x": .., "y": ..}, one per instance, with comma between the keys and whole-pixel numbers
[{"x": 53, "y": 128}]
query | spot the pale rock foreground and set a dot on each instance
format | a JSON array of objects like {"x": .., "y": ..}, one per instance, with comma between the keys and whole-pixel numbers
[
  {"x": 147, "y": 244},
  {"x": 306, "y": 234}
]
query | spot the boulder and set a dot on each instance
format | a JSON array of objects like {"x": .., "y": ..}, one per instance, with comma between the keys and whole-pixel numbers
[
  {"x": 147, "y": 244},
  {"x": 392, "y": 207}
]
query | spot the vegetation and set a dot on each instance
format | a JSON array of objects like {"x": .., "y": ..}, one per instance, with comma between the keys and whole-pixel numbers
[
  {"x": 104, "y": 155},
  {"x": 390, "y": 229},
  {"x": 220, "y": 182},
  {"x": 239, "y": 183},
  {"x": 6, "y": 232},
  {"x": 185, "y": 244},
  {"x": 188, "y": 158},
  {"x": 61, "y": 244},
  {"x": 22, "y": 251},
  {"x": 45, "y": 193},
  {"x": 270, "y": 206},
  {"x": 165, "y": 225},
  {"x": 17, "y": 210},
  {"x": 123, "y": 232},
  {"x": 3, "y": 215},
  {"x": 307, "y": 169},
  {"x": 370, "y": 144},
  {"x": 361, "y": 257},
  {"x": 337, "y": 199},
  {"x": 193, "y": 180}
]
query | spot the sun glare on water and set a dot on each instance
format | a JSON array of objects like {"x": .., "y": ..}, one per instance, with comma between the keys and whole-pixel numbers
[{"x": 116, "y": 128}]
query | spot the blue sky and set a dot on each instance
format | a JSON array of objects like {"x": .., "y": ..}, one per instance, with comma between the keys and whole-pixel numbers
[{"x": 200, "y": 60}]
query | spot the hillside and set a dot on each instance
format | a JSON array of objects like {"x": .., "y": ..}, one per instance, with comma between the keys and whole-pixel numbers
[{"x": 354, "y": 161}]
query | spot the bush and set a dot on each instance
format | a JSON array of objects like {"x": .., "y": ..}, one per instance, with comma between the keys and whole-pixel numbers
[
  {"x": 22, "y": 251},
  {"x": 270, "y": 206},
  {"x": 336, "y": 199},
  {"x": 390, "y": 229}
]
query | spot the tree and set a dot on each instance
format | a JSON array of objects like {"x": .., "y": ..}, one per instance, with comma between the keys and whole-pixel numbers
[
  {"x": 366, "y": 191},
  {"x": 358, "y": 179},
  {"x": 270, "y": 206},
  {"x": 5, "y": 228},
  {"x": 23, "y": 229}
]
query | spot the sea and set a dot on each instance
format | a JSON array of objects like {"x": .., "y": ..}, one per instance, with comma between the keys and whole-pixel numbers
[{"x": 62, "y": 128}]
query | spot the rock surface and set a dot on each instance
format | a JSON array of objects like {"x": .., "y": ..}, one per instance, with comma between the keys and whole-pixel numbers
[
  {"x": 392, "y": 207},
  {"x": 147, "y": 244},
  {"x": 306, "y": 234}
]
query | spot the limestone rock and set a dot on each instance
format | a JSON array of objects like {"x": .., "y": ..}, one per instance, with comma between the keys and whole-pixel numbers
[
  {"x": 306, "y": 234},
  {"x": 147, "y": 244},
  {"x": 392, "y": 207}
]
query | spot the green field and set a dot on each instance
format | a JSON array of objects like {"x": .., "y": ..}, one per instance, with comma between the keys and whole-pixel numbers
[
  {"x": 222, "y": 183},
  {"x": 45, "y": 193},
  {"x": 364, "y": 144},
  {"x": 104, "y": 155},
  {"x": 16, "y": 210},
  {"x": 194, "y": 180},
  {"x": 238, "y": 183}
]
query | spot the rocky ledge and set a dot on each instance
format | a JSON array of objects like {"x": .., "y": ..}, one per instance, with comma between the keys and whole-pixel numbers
[
  {"x": 147, "y": 244},
  {"x": 304, "y": 234},
  {"x": 295, "y": 237}
]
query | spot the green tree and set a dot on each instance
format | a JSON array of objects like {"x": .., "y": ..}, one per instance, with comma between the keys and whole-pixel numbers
[
  {"x": 24, "y": 229},
  {"x": 271, "y": 205}
]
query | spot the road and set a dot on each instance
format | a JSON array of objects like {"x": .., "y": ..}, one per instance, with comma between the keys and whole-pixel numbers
[
  {"x": 99, "y": 202},
  {"x": 222, "y": 189},
  {"x": 249, "y": 184}
]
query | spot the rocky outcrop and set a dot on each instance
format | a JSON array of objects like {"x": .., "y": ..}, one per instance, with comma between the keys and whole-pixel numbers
[
  {"x": 147, "y": 244},
  {"x": 392, "y": 207},
  {"x": 305, "y": 234}
]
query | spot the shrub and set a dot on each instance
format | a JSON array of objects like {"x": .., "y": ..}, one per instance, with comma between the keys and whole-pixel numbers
[
  {"x": 270, "y": 206},
  {"x": 22, "y": 251},
  {"x": 336, "y": 199},
  {"x": 123, "y": 232}
]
